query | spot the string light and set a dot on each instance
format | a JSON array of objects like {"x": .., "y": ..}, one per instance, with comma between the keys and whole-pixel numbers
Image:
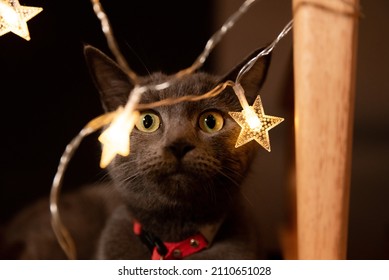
[
  {"x": 116, "y": 138},
  {"x": 112, "y": 44},
  {"x": 216, "y": 37},
  {"x": 14, "y": 17},
  {"x": 255, "y": 124},
  {"x": 63, "y": 236},
  {"x": 124, "y": 123}
]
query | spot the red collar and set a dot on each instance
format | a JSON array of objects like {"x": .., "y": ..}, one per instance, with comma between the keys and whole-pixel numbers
[{"x": 171, "y": 250}]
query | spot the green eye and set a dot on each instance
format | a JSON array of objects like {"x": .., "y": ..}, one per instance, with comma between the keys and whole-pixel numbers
[
  {"x": 211, "y": 121},
  {"x": 148, "y": 122}
]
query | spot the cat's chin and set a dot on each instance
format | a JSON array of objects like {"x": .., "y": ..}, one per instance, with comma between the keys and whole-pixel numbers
[
  {"x": 182, "y": 185},
  {"x": 178, "y": 180},
  {"x": 176, "y": 177}
]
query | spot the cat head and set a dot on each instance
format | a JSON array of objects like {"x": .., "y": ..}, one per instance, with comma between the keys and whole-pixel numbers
[{"x": 183, "y": 161}]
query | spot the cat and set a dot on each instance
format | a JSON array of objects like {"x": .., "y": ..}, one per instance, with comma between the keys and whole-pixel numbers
[{"x": 178, "y": 194}]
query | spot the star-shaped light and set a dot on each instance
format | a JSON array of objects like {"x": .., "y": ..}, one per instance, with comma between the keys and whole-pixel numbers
[
  {"x": 116, "y": 138},
  {"x": 14, "y": 17},
  {"x": 255, "y": 124}
]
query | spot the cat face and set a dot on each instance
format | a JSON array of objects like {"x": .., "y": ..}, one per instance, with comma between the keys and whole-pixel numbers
[{"x": 183, "y": 156}]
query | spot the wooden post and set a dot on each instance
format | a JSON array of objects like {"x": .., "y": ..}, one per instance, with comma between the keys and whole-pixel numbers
[{"x": 324, "y": 39}]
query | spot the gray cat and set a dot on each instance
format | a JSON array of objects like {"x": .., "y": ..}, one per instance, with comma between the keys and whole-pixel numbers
[{"x": 176, "y": 196}]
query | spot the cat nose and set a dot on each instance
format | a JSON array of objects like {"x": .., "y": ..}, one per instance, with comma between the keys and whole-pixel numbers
[{"x": 180, "y": 148}]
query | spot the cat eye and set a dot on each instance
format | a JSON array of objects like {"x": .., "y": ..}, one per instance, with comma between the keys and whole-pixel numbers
[
  {"x": 148, "y": 122},
  {"x": 211, "y": 121}
]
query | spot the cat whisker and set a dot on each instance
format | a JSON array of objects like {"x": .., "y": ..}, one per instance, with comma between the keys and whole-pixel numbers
[
  {"x": 231, "y": 175},
  {"x": 210, "y": 191},
  {"x": 103, "y": 178},
  {"x": 245, "y": 197},
  {"x": 131, "y": 178}
]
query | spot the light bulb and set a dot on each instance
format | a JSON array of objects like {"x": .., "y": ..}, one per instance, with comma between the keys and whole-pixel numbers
[
  {"x": 255, "y": 124},
  {"x": 116, "y": 138},
  {"x": 14, "y": 17}
]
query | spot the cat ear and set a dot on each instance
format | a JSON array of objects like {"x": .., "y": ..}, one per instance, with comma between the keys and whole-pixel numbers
[
  {"x": 254, "y": 78},
  {"x": 112, "y": 82}
]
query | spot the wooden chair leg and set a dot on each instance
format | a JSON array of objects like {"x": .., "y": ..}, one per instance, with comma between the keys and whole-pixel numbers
[{"x": 324, "y": 39}]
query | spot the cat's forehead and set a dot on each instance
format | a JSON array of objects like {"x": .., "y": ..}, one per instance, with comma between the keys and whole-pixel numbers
[{"x": 195, "y": 84}]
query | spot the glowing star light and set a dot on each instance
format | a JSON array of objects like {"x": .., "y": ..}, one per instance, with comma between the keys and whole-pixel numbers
[
  {"x": 255, "y": 124},
  {"x": 116, "y": 138},
  {"x": 14, "y": 17}
]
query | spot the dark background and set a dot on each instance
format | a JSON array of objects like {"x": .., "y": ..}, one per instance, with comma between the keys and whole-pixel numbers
[{"x": 47, "y": 96}]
